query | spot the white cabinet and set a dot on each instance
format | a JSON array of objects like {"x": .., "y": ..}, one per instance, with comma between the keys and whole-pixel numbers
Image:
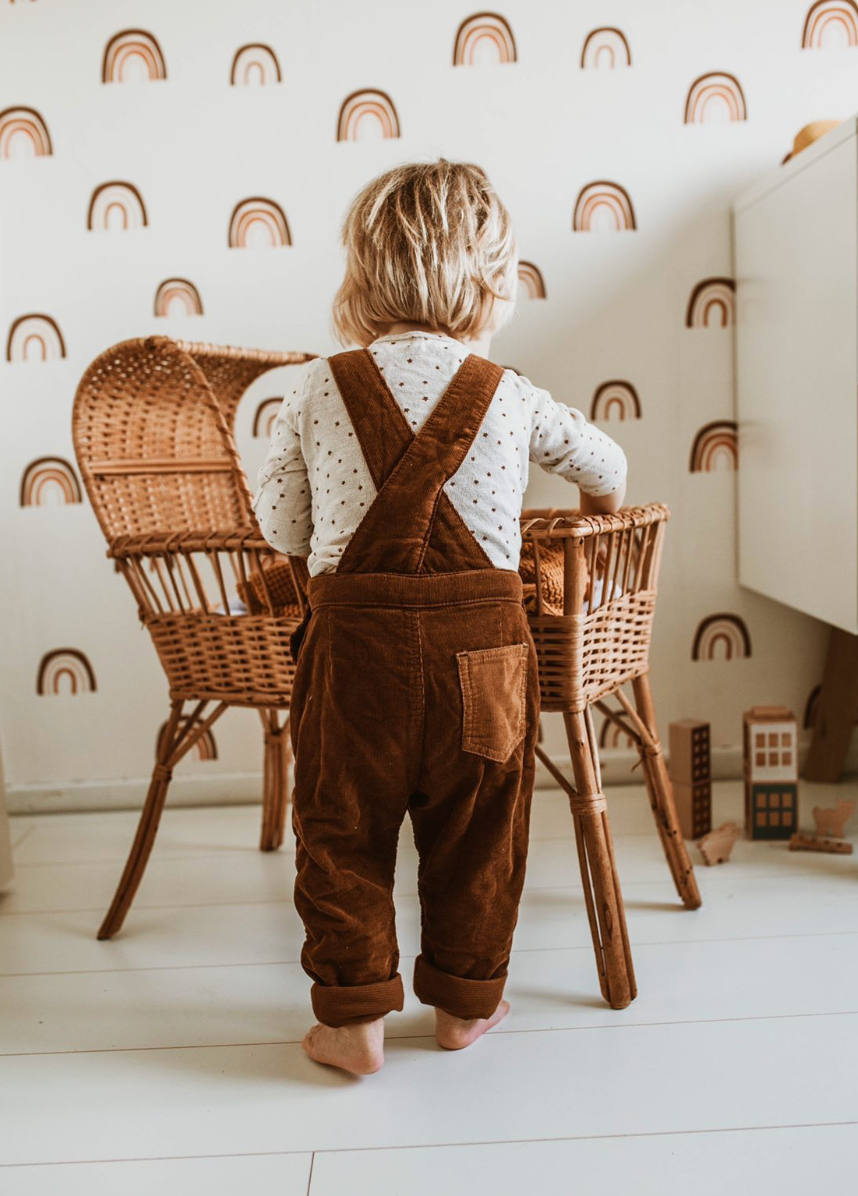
[{"x": 796, "y": 270}]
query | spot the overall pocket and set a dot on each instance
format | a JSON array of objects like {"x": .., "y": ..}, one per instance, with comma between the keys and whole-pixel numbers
[{"x": 493, "y": 682}]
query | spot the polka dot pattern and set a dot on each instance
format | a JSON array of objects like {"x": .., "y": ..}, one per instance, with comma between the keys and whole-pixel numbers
[{"x": 314, "y": 487}]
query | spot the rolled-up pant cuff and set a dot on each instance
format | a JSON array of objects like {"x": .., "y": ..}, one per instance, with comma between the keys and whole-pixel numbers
[
  {"x": 462, "y": 998},
  {"x": 346, "y": 1005}
]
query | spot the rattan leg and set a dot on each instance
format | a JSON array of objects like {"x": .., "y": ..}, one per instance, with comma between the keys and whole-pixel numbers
[
  {"x": 660, "y": 793},
  {"x": 602, "y": 893},
  {"x": 179, "y": 735},
  {"x": 146, "y": 828},
  {"x": 275, "y": 780}
]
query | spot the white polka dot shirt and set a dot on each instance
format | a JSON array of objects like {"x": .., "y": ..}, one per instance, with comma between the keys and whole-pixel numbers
[{"x": 315, "y": 486}]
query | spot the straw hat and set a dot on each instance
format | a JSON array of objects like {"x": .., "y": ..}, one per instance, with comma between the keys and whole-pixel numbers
[{"x": 810, "y": 133}]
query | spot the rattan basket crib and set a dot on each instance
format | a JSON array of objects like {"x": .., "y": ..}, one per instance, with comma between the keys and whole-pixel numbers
[
  {"x": 590, "y": 588},
  {"x": 152, "y": 426}
]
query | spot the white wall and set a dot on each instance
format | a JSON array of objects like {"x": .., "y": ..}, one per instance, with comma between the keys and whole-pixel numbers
[{"x": 543, "y": 128}]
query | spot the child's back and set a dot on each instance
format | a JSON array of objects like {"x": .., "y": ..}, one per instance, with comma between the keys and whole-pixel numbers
[
  {"x": 399, "y": 469},
  {"x": 316, "y": 485}
]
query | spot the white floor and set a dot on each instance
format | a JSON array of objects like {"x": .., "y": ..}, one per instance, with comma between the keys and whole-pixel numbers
[{"x": 168, "y": 1059}]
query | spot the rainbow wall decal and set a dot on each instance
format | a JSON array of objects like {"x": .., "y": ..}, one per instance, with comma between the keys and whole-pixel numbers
[
  {"x": 531, "y": 278},
  {"x": 830, "y": 23},
  {"x": 716, "y": 97},
  {"x": 49, "y": 481},
  {"x": 484, "y": 37},
  {"x": 35, "y": 337},
  {"x": 612, "y": 736},
  {"x": 712, "y": 303},
  {"x": 132, "y": 56},
  {"x": 178, "y": 297},
  {"x": 725, "y": 629},
  {"x": 811, "y": 706},
  {"x": 23, "y": 134},
  {"x": 255, "y": 64},
  {"x": 65, "y": 670},
  {"x": 266, "y": 414},
  {"x": 205, "y": 747},
  {"x": 116, "y": 206},
  {"x": 615, "y": 398},
  {"x": 258, "y": 223},
  {"x": 714, "y": 443},
  {"x": 605, "y": 49},
  {"x": 367, "y": 115},
  {"x": 603, "y": 206}
]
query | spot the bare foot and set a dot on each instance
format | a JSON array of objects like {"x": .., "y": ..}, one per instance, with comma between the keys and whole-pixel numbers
[
  {"x": 358, "y": 1049},
  {"x": 453, "y": 1033}
]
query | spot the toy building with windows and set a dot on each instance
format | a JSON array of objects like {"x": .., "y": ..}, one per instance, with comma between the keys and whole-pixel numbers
[
  {"x": 690, "y": 774},
  {"x": 770, "y": 743}
]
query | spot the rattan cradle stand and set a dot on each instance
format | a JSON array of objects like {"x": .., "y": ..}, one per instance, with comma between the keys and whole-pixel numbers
[
  {"x": 152, "y": 429},
  {"x": 590, "y": 641}
]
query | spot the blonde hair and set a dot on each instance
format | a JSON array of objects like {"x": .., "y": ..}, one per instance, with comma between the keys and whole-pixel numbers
[{"x": 427, "y": 243}]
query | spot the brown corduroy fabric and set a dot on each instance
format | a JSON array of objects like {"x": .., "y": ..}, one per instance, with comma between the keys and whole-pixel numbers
[{"x": 416, "y": 692}]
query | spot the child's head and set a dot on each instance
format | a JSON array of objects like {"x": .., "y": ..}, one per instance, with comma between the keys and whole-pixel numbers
[{"x": 427, "y": 243}]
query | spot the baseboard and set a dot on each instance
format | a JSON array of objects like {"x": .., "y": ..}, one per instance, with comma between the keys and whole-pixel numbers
[
  {"x": 197, "y": 789},
  {"x": 620, "y": 766}
]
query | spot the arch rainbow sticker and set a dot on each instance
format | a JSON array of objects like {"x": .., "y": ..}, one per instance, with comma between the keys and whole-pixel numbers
[
  {"x": 23, "y": 134},
  {"x": 116, "y": 207},
  {"x": 258, "y": 223},
  {"x": 605, "y": 49},
  {"x": 367, "y": 114},
  {"x": 49, "y": 481},
  {"x": 178, "y": 297},
  {"x": 716, "y": 442},
  {"x": 266, "y": 414},
  {"x": 35, "y": 337},
  {"x": 65, "y": 671},
  {"x": 133, "y": 56},
  {"x": 715, "y": 98},
  {"x": 603, "y": 206},
  {"x": 712, "y": 304},
  {"x": 530, "y": 276},
  {"x": 612, "y": 736},
  {"x": 205, "y": 747},
  {"x": 615, "y": 400},
  {"x": 485, "y": 37},
  {"x": 721, "y": 633},
  {"x": 255, "y": 64},
  {"x": 830, "y": 23}
]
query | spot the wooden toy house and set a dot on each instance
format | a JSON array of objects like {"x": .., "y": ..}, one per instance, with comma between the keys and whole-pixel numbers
[
  {"x": 770, "y": 744},
  {"x": 690, "y": 773}
]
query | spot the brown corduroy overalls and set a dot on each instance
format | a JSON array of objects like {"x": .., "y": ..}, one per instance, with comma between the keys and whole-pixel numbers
[{"x": 415, "y": 690}]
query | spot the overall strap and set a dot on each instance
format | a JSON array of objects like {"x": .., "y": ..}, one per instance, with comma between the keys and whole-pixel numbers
[{"x": 412, "y": 527}]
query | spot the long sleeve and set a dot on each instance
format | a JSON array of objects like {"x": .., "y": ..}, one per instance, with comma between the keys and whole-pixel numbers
[
  {"x": 562, "y": 441},
  {"x": 283, "y": 504}
]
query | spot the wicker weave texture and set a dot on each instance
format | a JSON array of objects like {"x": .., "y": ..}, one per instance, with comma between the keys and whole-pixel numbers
[
  {"x": 152, "y": 431},
  {"x": 243, "y": 660},
  {"x": 590, "y": 586},
  {"x": 152, "y": 428}
]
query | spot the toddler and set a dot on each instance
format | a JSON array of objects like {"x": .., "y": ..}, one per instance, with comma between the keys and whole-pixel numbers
[{"x": 397, "y": 469}]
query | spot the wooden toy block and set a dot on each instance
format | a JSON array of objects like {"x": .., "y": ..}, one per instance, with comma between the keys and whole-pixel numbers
[
  {"x": 689, "y": 748},
  {"x": 802, "y": 842},
  {"x": 694, "y": 808},
  {"x": 717, "y": 845},
  {"x": 689, "y": 756},
  {"x": 831, "y": 822},
  {"x": 770, "y": 747}
]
